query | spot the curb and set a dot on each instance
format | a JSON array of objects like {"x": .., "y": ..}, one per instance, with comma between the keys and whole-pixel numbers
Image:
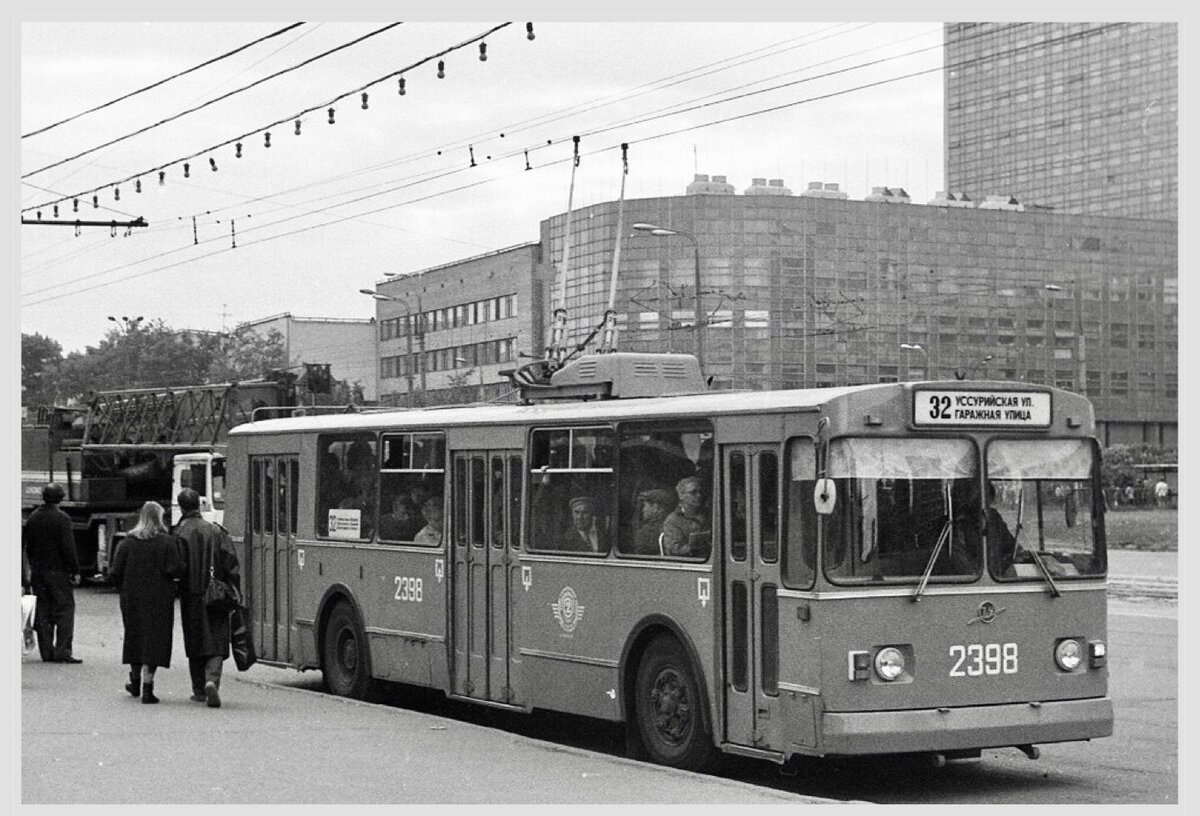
[{"x": 1144, "y": 586}]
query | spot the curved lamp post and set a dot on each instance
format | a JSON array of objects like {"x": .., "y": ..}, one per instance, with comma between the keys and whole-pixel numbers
[
  {"x": 920, "y": 348},
  {"x": 417, "y": 326},
  {"x": 661, "y": 232}
]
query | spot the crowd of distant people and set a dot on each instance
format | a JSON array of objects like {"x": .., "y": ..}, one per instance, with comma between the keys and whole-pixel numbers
[{"x": 1141, "y": 493}]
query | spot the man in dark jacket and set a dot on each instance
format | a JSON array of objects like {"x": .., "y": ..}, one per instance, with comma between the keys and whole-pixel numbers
[
  {"x": 203, "y": 545},
  {"x": 49, "y": 544}
]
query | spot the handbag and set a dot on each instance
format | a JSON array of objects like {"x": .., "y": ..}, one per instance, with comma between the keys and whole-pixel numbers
[
  {"x": 240, "y": 642},
  {"x": 220, "y": 596}
]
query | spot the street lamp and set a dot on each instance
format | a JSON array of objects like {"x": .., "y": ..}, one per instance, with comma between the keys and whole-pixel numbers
[
  {"x": 963, "y": 373},
  {"x": 417, "y": 326},
  {"x": 660, "y": 232},
  {"x": 920, "y": 348},
  {"x": 1077, "y": 323},
  {"x": 131, "y": 326},
  {"x": 464, "y": 361}
]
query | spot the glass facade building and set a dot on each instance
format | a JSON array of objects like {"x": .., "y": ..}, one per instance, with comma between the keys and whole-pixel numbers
[
  {"x": 803, "y": 291},
  {"x": 1080, "y": 117}
]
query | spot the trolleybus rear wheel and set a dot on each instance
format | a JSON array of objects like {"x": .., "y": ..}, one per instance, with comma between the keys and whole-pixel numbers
[
  {"x": 668, "y": 708},
  {"x": 345, "y": 661}
]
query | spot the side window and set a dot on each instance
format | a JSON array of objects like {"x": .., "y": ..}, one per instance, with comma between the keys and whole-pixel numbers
[
  {"x": 572, "y": 490},
  {"x": 800, "y": 515},
  {"x": 412, "y": 481},
  {"x": 664, "y": 489},
  {"x": 347, "y": 485}
]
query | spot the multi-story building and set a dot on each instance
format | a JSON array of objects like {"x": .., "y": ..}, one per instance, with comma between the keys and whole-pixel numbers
[
  {"x": 1080, "y": 117},
  {"x": 446, "y": 333},
  {"x": 346, "y": 345},
  {"x": 815, "y": 290}
]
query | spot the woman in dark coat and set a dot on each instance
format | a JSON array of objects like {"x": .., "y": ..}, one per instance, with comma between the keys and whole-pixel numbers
[{"x": 145, "y": 565}]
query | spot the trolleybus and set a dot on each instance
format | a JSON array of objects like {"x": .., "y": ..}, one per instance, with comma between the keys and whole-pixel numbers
[{"x": 891, "y": 568}]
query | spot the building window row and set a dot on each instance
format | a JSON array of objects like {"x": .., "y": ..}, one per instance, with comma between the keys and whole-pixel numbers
[
  {"x": 452, "y": 317},
  {"x": 468, "y": 355}
]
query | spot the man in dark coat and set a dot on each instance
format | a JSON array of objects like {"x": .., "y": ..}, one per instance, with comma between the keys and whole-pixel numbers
[
  {"x": 205, "y": 632},
  {"x": 49, "y": 544}
]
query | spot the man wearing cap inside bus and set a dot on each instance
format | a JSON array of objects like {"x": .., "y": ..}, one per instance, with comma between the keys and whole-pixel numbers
[
  {"x": 687, "y": 531},
  {"x": 584, "y": 534},
  {"x": 656, "y": 505}
]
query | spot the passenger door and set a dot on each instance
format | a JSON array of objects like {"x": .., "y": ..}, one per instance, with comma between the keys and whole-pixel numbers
[
  {"x": 750, "y": 515},
  {"x": 487, "y": 490},
  {"x": 272, "y": 532}
]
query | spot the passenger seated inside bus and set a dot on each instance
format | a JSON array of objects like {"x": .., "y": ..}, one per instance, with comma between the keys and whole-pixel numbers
[
  {"x": 1001, "y": 544},
  {"x": 403, "y": 522},
  {"x": 431, "y": 533},
  {"x": 687, "y": 531},
  {"x": 584, "y": 533},
  {"x": 656, "y": 505}
]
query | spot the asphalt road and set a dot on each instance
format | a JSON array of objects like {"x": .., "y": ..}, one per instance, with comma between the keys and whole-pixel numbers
[{"x": 278, "y": 739}]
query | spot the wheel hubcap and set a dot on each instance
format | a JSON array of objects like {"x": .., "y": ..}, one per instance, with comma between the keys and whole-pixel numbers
[
  {"x": 672, "y": 709},
  {"x": 349, "y": 653}
]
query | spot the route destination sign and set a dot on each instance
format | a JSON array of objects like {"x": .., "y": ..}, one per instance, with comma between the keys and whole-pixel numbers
[{"x": 1010, "y": 409}]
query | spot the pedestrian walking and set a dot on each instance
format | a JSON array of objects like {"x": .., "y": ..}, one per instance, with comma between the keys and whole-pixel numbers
[
  {"x": 1162, "y": 491},
  {"x": 49, "y": 543},
  {"x": 206, "y": 553},
  {"x": 144, "y": 570}
]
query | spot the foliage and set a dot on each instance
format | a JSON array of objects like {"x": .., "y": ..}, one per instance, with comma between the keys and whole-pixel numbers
[
  {"x": 151, "y": 355},
  {"x": 1117, "y": 468},
  {"x": 41, "y": 361},
  {"x": 249, "y": 355}
]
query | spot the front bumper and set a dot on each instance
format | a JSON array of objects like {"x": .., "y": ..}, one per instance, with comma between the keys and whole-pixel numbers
[{"x": 948, "y": 729}]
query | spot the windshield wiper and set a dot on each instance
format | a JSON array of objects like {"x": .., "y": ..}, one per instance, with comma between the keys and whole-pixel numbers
[
  {"x": 943, "y": 537},
  {"x": 1037, "y": 559}
]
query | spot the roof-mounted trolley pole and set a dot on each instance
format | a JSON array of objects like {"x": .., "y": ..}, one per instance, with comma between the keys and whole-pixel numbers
[
  {"x": 556, "y": 349},
  {"x": 608, "y": 340}
]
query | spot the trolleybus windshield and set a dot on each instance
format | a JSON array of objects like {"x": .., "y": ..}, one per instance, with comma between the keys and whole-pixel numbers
[
  {"x": 1042, "y": 499},
  {"x": 904, "y": 507}
]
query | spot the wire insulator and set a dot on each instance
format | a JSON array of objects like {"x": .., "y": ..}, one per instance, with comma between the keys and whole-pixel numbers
[
  {"x": 137, "y": 185},
  {"x": 237, "y": 150},
  {"x": 95, "y": 202},
  {"x": 187, "y": 170},
  {"x": 75, "y": 205},
  {"x": 162, "y": 177},
  {"x": 55, "y": 211},
  {"x": 297, "y": 127},
  {"x": 116, "y": 193},
  {"x": 529, "y": 31},
  {"x": 212, "y": 163},
  {"x": 401, "y": 90},
  {"x": 441, "y": 69},
  {"x": 364, "y": 100},
  {"x": 267, "y": 139},
  {"x": 331, "y": 116},
  {"x": 483, "y": 52}
]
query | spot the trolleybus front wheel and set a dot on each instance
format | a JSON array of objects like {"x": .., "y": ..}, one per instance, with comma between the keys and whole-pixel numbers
[
  {"x": 345, "y": 662},
  {"x": 668, "y": 708}
]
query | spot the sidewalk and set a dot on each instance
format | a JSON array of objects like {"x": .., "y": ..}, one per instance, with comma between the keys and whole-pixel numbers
[
  {"x": 84, "y": 740},
  {"x": 1143, "y": 574}
]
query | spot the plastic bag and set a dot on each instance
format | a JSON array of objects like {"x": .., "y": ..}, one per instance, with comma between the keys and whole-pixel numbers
[{"x": 28, "y": 612}]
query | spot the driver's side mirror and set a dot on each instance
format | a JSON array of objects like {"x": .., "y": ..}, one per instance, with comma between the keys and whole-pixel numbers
[{"x": 824, "y": 496}]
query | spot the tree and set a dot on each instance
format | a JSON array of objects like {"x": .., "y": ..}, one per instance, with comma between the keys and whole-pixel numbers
[
  {"x": 249, "y": 355},
  {"x": 41, "y": 361}
]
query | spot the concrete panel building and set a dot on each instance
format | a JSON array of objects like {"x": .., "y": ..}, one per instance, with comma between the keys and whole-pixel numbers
[
  {"x": 445, "y": 333},
  {"x": 347, "y": 345}
]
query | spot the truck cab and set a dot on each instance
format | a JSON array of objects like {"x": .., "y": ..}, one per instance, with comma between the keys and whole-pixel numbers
[{"x": 205, "y": 473}]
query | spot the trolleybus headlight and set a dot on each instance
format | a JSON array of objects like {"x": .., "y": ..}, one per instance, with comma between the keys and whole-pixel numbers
[
  {"x": 889, "y": 663},
  {"x": 1068, "y": 654}
]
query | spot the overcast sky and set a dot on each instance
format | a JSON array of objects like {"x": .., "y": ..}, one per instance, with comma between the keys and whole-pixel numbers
[{"x": 318, "y": 216}]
